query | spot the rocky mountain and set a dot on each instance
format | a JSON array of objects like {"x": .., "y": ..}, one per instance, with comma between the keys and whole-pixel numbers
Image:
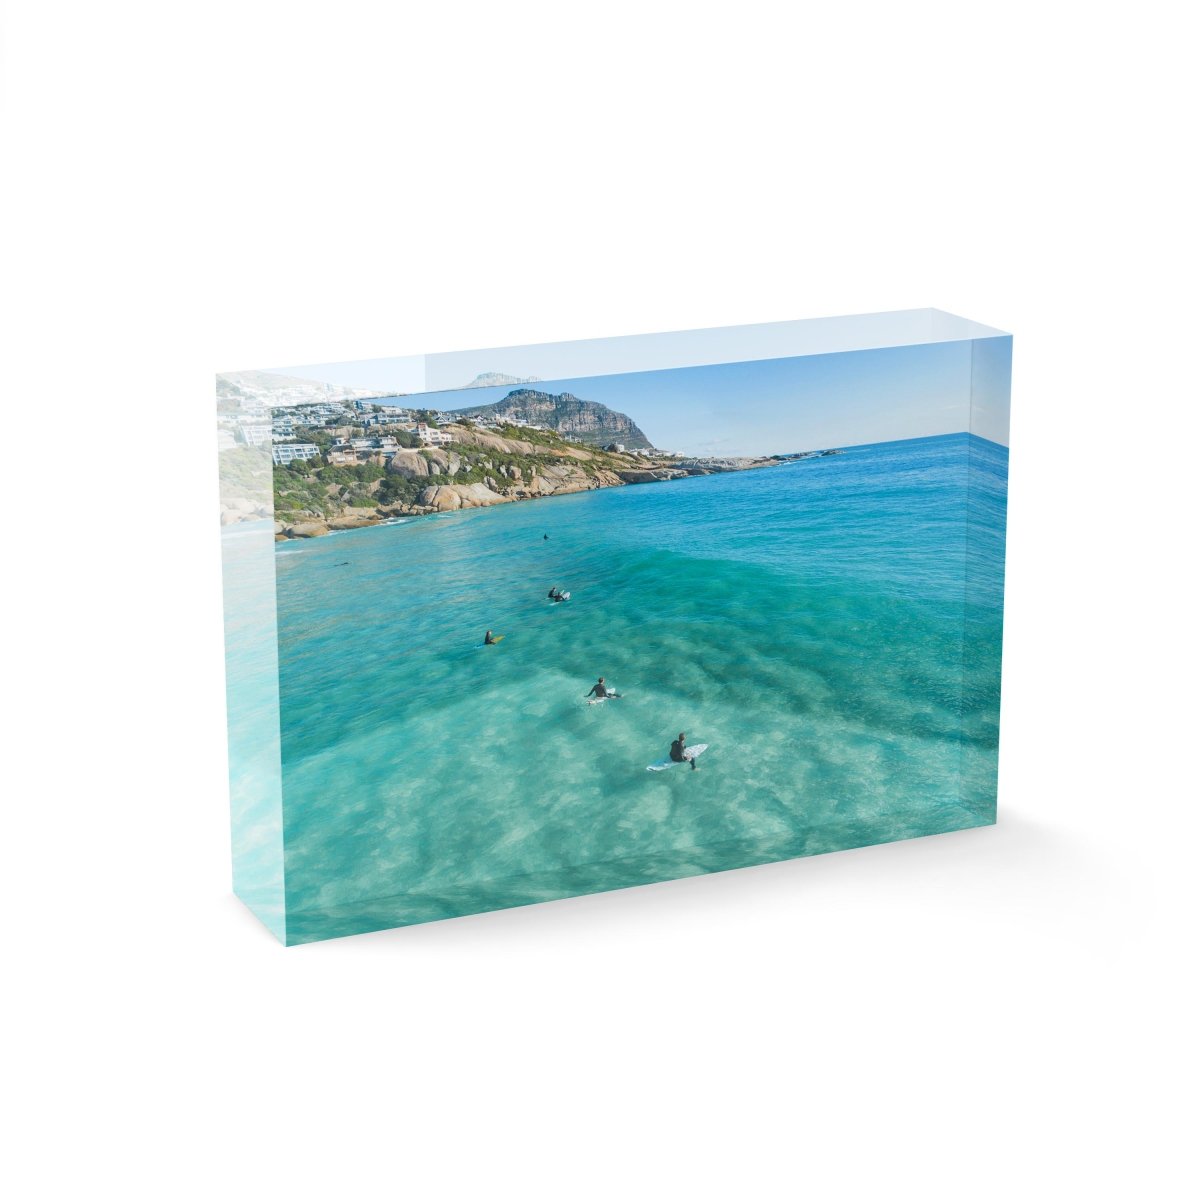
[
  {"x": 586, "y": 420},
  {"x": 496, "y": 379}
]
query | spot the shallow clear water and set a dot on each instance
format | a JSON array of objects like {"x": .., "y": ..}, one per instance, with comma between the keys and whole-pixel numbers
[{"x": 830, "y": 627}]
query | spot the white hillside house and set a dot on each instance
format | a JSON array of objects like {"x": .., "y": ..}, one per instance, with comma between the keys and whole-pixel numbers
[
  {"x": 432, "y": 437},
  {"x": 286, "y": 452}
]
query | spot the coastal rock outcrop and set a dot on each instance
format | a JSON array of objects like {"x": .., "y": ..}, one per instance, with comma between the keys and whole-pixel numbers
[
  {"x": 421, "y": 464},
  {"x": 717, "y": 466},
  {"x": 410, "y": 464},
  {"x": 650, "y": 476},
  {"x": 449, "y": 497},
  {"x": 502, "y": 469},
  {"x": 491, "y": 441},
  {"x": 307, "y": 529},
  {"x": 560, "y": 478},
  {"x": 352, "y": 522}
]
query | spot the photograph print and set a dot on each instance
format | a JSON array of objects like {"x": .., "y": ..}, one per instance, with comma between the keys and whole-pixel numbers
[{"x": 532, "y": 639}]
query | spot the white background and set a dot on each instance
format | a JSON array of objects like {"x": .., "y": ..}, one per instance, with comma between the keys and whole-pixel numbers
[{"x": 1004, "y": 1012}]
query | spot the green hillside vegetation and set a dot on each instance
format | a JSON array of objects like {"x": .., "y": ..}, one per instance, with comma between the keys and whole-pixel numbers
[
  {"x": 595, "y": 457},
  {"x": 312, "y": 487}
]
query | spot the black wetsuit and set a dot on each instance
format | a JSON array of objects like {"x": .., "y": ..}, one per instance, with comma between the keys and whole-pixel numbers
[
  {"x": 677, "y": 749},
  {"x": 599, "y": 691},
  {"x": 552, "y": 594}
]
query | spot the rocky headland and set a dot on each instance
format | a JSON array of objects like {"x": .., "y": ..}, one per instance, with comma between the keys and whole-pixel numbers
[{"x": 479, "y": 469}]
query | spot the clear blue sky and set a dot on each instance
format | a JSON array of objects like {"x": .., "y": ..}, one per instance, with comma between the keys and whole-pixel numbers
[{"x": 790, "y": 404}]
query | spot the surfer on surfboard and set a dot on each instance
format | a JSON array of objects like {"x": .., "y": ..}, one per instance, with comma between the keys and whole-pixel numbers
[
  {"x": 679, "y": 751},
  {"x": 489, "y": 640},
  {"x": 601, "y": 692},
  {"x": 678, "y": 754}
]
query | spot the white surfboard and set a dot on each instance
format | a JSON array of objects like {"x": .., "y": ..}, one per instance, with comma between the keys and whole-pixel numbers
[{"x": 691, "y": 752}]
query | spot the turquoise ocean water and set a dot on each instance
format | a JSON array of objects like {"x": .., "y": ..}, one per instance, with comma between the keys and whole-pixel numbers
[{"x": 830, "y": 627}]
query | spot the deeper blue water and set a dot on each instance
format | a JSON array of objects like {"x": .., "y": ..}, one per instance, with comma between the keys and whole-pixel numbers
[{"x": 830, "y": 627}]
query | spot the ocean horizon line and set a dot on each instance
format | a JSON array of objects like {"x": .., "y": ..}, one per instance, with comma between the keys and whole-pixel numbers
[{"x": 922, "y": 437}]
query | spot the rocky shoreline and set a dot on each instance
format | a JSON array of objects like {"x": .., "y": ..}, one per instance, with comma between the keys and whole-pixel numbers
[{"x": 561, "y": 471}]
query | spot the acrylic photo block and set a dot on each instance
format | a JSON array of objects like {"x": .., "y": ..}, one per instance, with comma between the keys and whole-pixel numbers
[{"x": 510, "y": 625}]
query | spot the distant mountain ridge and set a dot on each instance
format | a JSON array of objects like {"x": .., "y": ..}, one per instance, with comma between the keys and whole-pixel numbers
[
  {"x": 496, "y": 379},
  {"x": 587, "y": 420}
]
